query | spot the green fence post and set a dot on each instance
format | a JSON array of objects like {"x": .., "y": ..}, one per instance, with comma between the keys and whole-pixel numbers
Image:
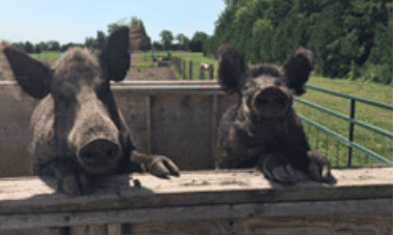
[
  {"x": 182, "y": 68},
  {"x": 351, "y": 126},
  {"x": 211, "y": 72},
  {"x": 190, "y": 70}
]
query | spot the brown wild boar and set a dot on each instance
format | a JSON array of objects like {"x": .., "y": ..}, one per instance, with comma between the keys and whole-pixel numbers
[
  {"x": 79, "y": 134},
  {"x": 262, "y": 130}
]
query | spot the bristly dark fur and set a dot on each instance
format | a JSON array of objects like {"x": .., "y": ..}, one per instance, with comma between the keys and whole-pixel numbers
[
  {"x": 262, "y": 130},
  {"x": 79, "y": 134}
]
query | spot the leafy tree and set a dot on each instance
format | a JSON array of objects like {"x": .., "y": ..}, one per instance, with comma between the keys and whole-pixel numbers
[
  {"x": 197, "y": 41},
  {"x": 157, "y": 45},
  {"x": 43, "y": 45},
  {"x": 65, "y": 47},
  {"x": 345, "y": 32},
  {"x": 53, "y": 45},
  {"x": 28, "y": 47},
  {"x": 101, "y": 34},
  {"x": 90, "y": 42},
  {"x": 183, "y": 40},
  {"x": 20, "y": 45},
  {"x": 37, "y": 49},
  {"x": 100, "y": 40},
  {"x": 166, "y": 38},
  {"x": 112, "y": 27},
  {"x": 261, "y": 41},
  {"x": 134, "y": 19}
]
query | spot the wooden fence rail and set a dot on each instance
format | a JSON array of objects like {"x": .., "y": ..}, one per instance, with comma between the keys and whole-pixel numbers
[{"x": 202, "y": 202}]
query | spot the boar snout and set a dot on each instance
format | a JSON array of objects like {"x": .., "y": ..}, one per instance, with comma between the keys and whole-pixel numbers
[
  {"x": 270, "y": 102},
  {"x": 99, "y": 156},
  {"x": 95, "y": 139}
]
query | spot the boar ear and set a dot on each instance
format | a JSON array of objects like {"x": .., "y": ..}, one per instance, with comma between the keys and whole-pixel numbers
[
  {"x": 231, "y": 68},
  {"x": 298, "y": 67},
  {"x": 31, "y": 74},
  {"x": 115, "y": 57}
]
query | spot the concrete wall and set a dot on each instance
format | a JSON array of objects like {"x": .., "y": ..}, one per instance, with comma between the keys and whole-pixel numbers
[{"x": 177, "y": 119}]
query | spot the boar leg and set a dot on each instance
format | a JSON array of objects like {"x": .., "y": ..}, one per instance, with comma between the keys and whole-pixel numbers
[{"x": 70, "y": 177}]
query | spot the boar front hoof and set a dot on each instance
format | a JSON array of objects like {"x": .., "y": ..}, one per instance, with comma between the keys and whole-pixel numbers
[
  {"x": 319, "y": 167},
  {"x": 162, "y": 167},
  {"x": 277, "y": 168}
]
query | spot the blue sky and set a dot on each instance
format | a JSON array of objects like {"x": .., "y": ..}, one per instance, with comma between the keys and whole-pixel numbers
[{"x": 73, "y": 20}]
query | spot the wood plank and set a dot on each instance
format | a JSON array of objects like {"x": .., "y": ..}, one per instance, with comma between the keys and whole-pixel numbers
[
  {"x": 308, "y": 224},
  {"x": 33, "y": 195},
  {"x": 88, "y": 229},
  {"x": 148, "y": 123},
  {"x": 114, "y": 229},
  {"x": 381, "y": 207},
  {"x": 35, "y": 231},
  {"x": 213, "y": 130}
]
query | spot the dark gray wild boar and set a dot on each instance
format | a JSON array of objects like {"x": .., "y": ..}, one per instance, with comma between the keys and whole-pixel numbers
[
  {"x": 79, "y": 134},
  {"x": 262, "y": 130}
]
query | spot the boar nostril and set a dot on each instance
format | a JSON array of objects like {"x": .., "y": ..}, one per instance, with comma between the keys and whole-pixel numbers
[
  {"x": 111, "y": 153},
  {"x": 270, "y": 95},
  {"x": 99, "y": 149},
  {"x": 260, "y": 101}
]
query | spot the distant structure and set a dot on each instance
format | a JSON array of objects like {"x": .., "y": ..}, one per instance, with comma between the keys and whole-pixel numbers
[{"x": 138, "y": 38}]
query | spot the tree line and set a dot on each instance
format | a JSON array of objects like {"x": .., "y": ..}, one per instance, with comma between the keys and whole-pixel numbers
[
  {"x": 348, "y": 37},
  {"x": 95, "y": 43}
]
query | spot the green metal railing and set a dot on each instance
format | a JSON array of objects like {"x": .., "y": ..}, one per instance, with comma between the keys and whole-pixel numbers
[{"x": 351, "y": 119}]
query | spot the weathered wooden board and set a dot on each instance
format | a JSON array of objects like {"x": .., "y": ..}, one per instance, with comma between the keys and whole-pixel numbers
[
  {"x": 210, "y": 198},
  {"x": 345, "y": 223}
]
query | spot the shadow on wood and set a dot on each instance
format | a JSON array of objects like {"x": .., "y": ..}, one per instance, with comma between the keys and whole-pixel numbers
[{"x": 206, "y": 202}]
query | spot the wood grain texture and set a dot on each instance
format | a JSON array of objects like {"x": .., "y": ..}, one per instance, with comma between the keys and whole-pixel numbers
[
  {"x": 34, "y": 195},
  {"x": 183, "y": 213},
  {"x": 360, "y": 202},
  {"x": 315, "y": 224}
]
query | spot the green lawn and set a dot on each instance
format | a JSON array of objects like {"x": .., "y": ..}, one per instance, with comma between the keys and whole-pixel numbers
[
  {"x": 47, "y": 55},
  {"x": 336, "y": 152}
]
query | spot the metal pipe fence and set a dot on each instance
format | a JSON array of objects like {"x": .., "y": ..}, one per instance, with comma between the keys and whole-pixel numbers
[{"x": 352, "y": 121}]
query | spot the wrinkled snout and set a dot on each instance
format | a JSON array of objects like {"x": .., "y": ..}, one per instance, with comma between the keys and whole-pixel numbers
[
  {"x": 270, "y": 102},
  {"x": 95, "y": 139},
  {"x": 99, "y": 156}
]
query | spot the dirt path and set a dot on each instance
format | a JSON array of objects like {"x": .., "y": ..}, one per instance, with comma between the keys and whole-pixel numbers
[{"x": 152, "y": 74}]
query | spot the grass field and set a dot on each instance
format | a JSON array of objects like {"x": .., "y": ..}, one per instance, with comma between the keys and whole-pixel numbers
[
  {"x": 376, "y": 116},
  {"x": 335, "y": 150},
  {"x": 48, "y": 55}
]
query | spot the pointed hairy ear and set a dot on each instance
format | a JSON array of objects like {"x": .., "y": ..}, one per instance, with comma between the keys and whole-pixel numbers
[
  {"x": 31, "y": 74},
  {"x": 231, "y": 68},
  {"x": 115, "y": 58},
  {"x": 298, "y": 67}
]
